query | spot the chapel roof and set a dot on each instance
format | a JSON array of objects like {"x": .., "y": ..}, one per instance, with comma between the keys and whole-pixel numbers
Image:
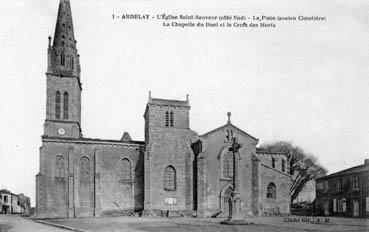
[
  {"x": 264, "y": 152},
  {"x": 229, "y": 124}
]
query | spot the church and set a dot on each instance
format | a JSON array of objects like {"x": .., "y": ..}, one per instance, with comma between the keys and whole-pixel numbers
[{"x": 174, "y": 172}]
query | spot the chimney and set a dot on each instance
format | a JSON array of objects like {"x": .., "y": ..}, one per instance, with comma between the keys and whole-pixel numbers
[{"x": 366, "y": 162}]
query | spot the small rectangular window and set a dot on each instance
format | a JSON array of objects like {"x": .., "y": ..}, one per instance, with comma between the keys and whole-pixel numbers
[
  {"x": 355, "y": 183},
  {"x": 340, "y": 185},
  {"x": 325, "y": 186},
  {"x": 273, "y": 163}
]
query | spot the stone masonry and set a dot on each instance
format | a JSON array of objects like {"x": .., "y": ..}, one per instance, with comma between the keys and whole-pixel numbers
[{"x": 174, "y": 172}]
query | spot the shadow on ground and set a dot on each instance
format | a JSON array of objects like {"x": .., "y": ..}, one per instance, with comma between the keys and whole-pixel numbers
[
  {"x": 216, "y": 227},
  {"x": 4, "y": 227}
]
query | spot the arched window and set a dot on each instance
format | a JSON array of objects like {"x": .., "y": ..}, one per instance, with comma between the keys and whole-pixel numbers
[
  {"x": 171, "y": 119},
  {"x": 273, "y": 163},
  {"x": 228, "y": 165},
  {"x": 125, "y": 169},
  {"x": 62, "y": 58},
  {"x": 283, "y": 165},
  {"x": 170, "y": 179},
  {"x": 85, "y": 169},
  {"x": 271, "y": 191},
  {"x": 65, "y": 105},
  {"x": 229, "y": 135},
  {"x": 57, "y": 105},
  {"x": 167, "y": 119},
  {"x": 59, "y": 166},
  {"x": 71, "y": 62}
]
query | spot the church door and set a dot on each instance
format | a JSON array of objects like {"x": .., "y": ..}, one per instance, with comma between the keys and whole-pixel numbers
[{"x": 225, "y": 201}]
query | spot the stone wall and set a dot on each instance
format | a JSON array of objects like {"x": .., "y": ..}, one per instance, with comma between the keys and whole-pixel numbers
[
  {"x": 168, "y": 146},
  {"x": 82, "y": 178},
  {"x": 279, "y": 158},
  {"x": 212, "y": 185},
  {"x": 73, "y": 123},
  {"x": 282, "y": 181}
]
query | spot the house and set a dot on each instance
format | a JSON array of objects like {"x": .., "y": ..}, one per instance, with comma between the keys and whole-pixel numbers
[{"x": 344, "y": 193}]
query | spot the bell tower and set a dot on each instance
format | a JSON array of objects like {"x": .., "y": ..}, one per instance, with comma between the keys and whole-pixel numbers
[{"x": 63, "y": 93}]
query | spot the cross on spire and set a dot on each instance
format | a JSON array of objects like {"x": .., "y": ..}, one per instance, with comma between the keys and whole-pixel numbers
[{"x": 229, "y": 117}]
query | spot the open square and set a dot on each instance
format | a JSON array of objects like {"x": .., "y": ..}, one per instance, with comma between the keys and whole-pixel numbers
[{"x": 275, "y": 224}]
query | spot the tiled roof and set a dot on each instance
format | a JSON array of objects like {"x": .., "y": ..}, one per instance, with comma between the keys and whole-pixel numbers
[
  {"x": 5, "y": 191},
  {"x": 97, "y": 140},
  {"x": 264, "y": 152},
  {"x": 355, "y": 169}
]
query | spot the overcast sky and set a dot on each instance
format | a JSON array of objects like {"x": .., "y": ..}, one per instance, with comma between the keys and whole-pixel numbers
[{"x": 304, "y": 82}]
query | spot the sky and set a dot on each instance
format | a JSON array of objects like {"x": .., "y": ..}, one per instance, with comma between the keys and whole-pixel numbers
[{"x": 302, "y": 82}]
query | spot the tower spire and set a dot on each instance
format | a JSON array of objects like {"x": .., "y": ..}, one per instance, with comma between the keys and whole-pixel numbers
[
  {"x": 64, "y": 25},
  {"x": 64, "y": 58},
  {"x": 63, "y": 83}
]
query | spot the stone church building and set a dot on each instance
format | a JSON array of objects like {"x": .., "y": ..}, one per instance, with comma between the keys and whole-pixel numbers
[{"x": 174, "y": 172}]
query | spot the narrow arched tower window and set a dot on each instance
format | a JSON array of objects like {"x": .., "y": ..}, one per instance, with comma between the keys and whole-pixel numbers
[
  {"x": 62, "y": 58},
  {"x": 65, "y": 105},
  {"x": 57, "y": 105},
  {"x": 283, "y": 165},
  {"x": 167, "y": 119},
  {"x": 170, "y": 179},
  {"x": 71, "y": 62},
  {"x": 271, "y": 191},
  {"x": 171, "y": 119}
]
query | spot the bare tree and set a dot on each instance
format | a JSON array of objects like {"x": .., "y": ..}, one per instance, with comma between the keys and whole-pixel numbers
[{"x": 303, "y": 166}]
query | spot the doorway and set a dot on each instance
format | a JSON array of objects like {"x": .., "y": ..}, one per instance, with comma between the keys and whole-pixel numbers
[
  {"x": 225, "y": 197},
  {"x": 356, "y": 208}
]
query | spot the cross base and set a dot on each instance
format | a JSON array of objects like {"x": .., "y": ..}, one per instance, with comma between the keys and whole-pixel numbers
[{"x": 236, "y": 222}]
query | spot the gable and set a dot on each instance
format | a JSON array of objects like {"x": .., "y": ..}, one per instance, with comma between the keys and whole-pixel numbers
[{"x": 231, "y": 128}]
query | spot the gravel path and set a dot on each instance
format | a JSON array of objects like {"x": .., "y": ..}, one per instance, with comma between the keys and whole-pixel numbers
[{"x": 15, "y": 223}]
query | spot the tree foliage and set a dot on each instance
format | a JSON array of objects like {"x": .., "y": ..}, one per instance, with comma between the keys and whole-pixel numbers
[{"x": 303, "y": 166}]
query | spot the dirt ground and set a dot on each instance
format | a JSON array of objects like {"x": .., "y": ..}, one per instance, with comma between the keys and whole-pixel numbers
[{"x": 267, "y": 224}]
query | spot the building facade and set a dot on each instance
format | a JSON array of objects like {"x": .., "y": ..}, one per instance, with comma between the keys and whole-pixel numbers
[
  {"x": 175, "y": 171},
  {"x": 345, "y": 193},
  {"x": 11, "y": 203}
]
